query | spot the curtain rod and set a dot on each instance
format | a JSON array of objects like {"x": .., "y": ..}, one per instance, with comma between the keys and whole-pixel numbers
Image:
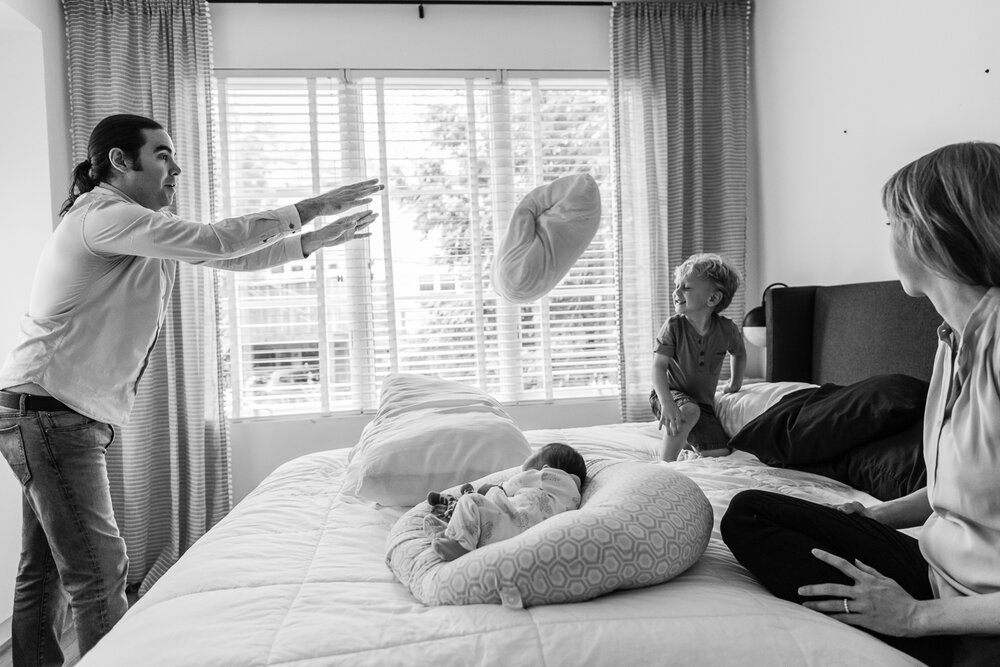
[{"x": 550, "y": 3}]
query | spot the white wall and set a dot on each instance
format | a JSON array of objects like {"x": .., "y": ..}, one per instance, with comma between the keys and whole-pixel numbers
[
  {"x": 30, "y": 48},
  {"x": 392, "y": 36},
  {"x": 845, "y": 93},
  {"x": 47, "y": 18}
]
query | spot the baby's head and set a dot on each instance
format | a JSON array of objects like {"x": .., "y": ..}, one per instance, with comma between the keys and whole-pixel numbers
[
  {"x": 714, "y": 269},
  {"x": 558, "y": 455}
]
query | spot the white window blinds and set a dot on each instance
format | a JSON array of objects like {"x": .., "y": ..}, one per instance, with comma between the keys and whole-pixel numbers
[{"x": 456, "y": 154}]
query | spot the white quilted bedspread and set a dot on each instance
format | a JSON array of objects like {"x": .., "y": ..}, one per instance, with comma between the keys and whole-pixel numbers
[{"x": 295, "y": 575}]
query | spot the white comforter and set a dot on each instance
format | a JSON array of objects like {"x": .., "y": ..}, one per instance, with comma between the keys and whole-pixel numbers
[{"x": 295, "y": 575}]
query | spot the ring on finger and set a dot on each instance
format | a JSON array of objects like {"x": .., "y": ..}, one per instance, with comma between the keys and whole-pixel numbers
[{"x": 847, "y": 609}]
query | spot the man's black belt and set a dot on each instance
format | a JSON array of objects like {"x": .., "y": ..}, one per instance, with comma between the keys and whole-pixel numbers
[{"x": 9, "y": 399}]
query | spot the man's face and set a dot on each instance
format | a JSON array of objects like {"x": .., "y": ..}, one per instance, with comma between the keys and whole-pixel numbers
[{"x": 151, "y": 180}]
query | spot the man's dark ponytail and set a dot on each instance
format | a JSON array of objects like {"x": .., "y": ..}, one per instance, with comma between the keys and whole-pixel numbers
[
  {"x": 82, "y": 182},
  {"x": 123, "y": 131}
]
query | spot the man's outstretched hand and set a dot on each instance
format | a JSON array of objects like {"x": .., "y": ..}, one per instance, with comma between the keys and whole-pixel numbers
[{"x": 337, "y": 200}]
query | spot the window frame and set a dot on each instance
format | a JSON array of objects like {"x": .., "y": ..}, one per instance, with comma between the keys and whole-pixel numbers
[{"x": 506, "y": 312}]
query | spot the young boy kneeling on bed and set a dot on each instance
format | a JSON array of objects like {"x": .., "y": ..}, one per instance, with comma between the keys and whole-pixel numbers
[
  {"x": 690, "y": 349},
  {"x": 549, "y": 483}
]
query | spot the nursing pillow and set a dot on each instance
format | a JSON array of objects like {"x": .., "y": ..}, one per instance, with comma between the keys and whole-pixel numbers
[
  {"x": 548, "y": 232},
  {"x": 639, "y": 524}
]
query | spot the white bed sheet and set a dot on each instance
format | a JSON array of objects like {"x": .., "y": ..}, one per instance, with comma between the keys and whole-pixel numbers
[{"x": 295, "y": 575}]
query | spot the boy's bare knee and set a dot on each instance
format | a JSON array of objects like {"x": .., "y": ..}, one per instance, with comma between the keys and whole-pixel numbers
[{"x": 690, "y": 414}]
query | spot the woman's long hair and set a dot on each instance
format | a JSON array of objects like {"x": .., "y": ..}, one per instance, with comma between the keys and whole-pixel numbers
[
  {"x": 122, "y": 131},
  {"x": 946, "y": 206}
]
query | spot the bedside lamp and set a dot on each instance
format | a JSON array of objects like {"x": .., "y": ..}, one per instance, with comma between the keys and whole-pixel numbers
[{"x": 755, "y": 321}]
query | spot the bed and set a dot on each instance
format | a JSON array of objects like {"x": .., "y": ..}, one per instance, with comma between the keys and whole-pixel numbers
[{"x": 296, "y": 574}]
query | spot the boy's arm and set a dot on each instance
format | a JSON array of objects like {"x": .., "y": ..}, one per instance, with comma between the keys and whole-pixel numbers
[
  {"x": 738, "y": 359},
  {"x": 660, "y": 366},
  {"x": 670, "y": 416},
  {"x": 738, "y": 366}
]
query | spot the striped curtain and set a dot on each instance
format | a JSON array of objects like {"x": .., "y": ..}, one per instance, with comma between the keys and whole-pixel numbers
[
  {"x": 680, "y": 83},
  {"x": 169, "y": 470}
]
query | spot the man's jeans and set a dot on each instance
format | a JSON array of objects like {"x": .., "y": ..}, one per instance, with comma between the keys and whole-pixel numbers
[{"x": 69, "y": 538}]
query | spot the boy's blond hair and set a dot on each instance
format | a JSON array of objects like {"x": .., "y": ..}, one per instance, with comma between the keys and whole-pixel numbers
[{"x": 714, "y": 268}]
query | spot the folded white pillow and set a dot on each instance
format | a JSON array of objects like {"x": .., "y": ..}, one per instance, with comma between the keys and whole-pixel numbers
[
  {"x": 430, "y": 434},
  {"x": 736, "y": 410},
  {"x": 549, "y": 230}
]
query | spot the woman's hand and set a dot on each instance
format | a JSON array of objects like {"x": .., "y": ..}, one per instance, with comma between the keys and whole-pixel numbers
[
  {"x": 853, "y": 507},
  {"x": 875, "y": 601},
  {"x": 338, "y": 199},
  {"x": 337, "y": 232},
  {"x": 876, "y": 512}
]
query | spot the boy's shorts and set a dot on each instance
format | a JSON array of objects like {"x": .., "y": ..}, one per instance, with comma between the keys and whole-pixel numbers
[{"x": 707, "y": 433}]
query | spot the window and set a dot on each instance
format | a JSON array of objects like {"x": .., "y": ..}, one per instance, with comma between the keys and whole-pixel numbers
[{"x": 456, "y": 153}]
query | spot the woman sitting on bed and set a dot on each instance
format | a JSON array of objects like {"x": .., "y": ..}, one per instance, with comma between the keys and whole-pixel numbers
[
  {"x": 549, "y": 483},
  {"x": 936, "y": 598}
]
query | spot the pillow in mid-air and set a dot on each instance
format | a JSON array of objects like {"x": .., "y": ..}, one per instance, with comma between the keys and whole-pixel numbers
[{"x": 550, "y": 229}]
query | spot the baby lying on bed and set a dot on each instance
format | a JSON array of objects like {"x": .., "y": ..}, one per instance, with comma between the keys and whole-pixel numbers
[{"x": 549, "y": 483}]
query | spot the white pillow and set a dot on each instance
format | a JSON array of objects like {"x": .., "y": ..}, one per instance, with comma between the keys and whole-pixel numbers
[
  {"x": 549, "y": 230},
  {"x": 428, "y": 435},
  {"x": 735, "y": 410}
]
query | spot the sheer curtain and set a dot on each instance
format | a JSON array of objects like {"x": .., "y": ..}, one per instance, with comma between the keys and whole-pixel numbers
[
  {"x": 680, "y": 83},
  {"x": 169, "y": 469}
]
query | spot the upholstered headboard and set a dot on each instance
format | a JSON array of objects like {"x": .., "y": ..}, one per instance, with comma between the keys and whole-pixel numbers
[{"x": 845, "y": 333}]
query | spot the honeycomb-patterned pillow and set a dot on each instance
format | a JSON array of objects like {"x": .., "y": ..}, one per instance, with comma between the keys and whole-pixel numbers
[{"x": 639, "y": 524}]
